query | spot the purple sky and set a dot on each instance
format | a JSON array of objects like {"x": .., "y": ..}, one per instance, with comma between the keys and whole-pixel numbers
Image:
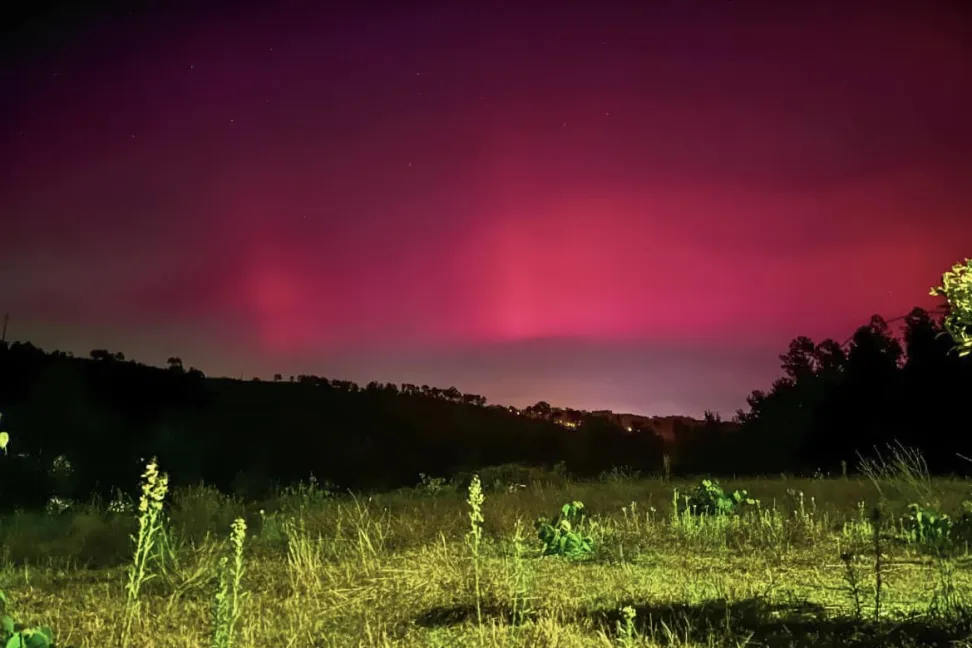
[{"x": 600, "y": 207}]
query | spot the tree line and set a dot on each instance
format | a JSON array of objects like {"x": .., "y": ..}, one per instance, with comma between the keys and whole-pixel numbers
[
  {"x": 835, "y": 401},
  {"x": 105, "y": 415}
]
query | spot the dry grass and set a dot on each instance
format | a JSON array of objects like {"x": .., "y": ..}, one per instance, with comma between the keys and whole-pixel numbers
[{"x": 396, "y": 570}]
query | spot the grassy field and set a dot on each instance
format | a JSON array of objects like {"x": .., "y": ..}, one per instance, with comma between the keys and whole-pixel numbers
[{"x": 406, "y": 569}]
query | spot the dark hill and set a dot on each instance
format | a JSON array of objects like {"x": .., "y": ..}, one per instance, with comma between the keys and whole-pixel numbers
[{"x": 107, "y": 414}]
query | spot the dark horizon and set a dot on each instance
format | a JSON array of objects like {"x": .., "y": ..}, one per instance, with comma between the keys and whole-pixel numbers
[
  {"x": 547, "y": 354},
  {"x": 602, "y": 207}
]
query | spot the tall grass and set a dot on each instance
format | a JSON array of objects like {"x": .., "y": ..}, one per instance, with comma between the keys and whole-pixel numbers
[
  {"x": 902, "y": 472},
  {"x": 405, "y": 568}
]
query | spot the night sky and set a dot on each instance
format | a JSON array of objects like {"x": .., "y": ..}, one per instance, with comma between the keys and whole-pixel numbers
[{"x": 633, "y": 207}]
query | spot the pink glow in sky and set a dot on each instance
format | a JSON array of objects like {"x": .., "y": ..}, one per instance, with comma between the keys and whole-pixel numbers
[{"x": 598, "y": 207}]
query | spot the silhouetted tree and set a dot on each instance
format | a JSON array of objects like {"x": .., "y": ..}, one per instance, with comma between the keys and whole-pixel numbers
[{"x": 541, "y": 409}]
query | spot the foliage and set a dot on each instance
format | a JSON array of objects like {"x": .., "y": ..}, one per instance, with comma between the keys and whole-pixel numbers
[
  {"x": 928, "y": 527},
  {"x": 956, "y": 288},
  {"x": 708, "y": 498},
  {"x": 17, "y": 635},
  {"x": 932, "y": 530},
  {"x": 563, "y": 535}
]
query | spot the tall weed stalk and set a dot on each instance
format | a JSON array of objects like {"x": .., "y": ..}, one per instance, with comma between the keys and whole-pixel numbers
[
  {"x": 227, "y": 604},
  {"x": 475, "y": 538},
  {"x": 154, "y": 487}
]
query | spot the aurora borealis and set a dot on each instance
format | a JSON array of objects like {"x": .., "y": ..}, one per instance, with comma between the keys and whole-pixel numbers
[{"x": 618, "y": 206}]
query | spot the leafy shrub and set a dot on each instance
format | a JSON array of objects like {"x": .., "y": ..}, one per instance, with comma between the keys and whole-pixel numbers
[
  {"x": 708, "y": 498},
  {"x": 928, "y": 527},
  {"x": 563, "y": 535},
  {"x": 16, "y": 635},
  {"x": 933, "y": 530},
  {"x": 957, "y": 289}
]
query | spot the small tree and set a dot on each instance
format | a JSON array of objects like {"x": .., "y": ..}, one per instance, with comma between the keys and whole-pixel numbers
[{"x": 956, "y": 288}]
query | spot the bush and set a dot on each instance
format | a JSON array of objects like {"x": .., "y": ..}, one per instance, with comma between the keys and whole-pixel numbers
[
  {"x": 708, "y": 498},
  {"x": 563, "y": 536}
]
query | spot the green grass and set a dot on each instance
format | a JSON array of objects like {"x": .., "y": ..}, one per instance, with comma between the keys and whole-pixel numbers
[{"x": 420, "y": 568}]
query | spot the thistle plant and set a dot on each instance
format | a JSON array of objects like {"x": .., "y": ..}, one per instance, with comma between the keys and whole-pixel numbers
[
  {"x": 475, "y": 537},
  {"x": 853, "y": 581},
  {"x": 154, "y": 487},
  {"x": 227, "y": 603}
]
